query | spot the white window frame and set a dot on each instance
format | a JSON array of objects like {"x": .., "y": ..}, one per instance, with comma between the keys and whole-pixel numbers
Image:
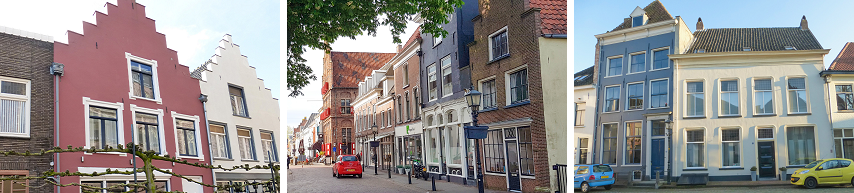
[
  {"x": 580, "y": 109},
  {"x": 705, "y": 99},
  {"x": 740, "y": 146},
  {"x": 273, "y": 147},
  {"x": 642, "y": 95},
  {"x": 154, "y": 76},
  {"x": 632, "y": 56},
  {"x": 617, "y": 149},
  {"x": 119, "y": 123},
  {"x": 481, "y": 88},
  {"x": 507, "y": 85},
  {"x": 608, "y": 66},
  {"x": 492, "y": 56},
  {"x": 816, "y": 145},
  {"x": 437, "y": 38},
  {"x": 446, "y": 67},
  {"x": 705, "y": 147},
  {"x": 227, "y": 143},
  {"x": 754, "y": 91},
  {"x": 652, "y": 59},
  {"x": 626, "y": 142},
  {"x": 836, "y": 93},
  {"x": 605, "y": 98},
  {"x": 27, "y": 107},
  {"x": 433, "y": 94},
  {"x": 251, "y": 147},
  {"x": 721, "y": 93},
  {"x": 198, "y": 131},
  {"x": 160, "y": 127},
  {"x": 773, "y": 132},
  {"x": 806, "y": 91},
  {"x": 649, "y": 96},
  {"x": 841, "y": 148},
  {"x": 578, "y": 152}
]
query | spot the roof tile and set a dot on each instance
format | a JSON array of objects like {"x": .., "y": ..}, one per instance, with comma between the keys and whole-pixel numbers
[
  {"x": 758, "y": 39},
  {"x": 845, "y": 60},
  {"x": 351, "y": 67},
  {"x": 584, "y": 77},
  {"x": 552, "y": 14}
]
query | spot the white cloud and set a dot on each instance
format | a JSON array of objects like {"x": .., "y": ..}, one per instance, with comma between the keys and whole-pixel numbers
[{"x": 193, "y": 44}]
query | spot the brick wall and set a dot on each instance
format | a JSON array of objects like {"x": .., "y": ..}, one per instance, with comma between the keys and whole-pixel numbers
[
  {"x": 30, "y": 59},
  {"x": 523, "y": 31},
  {"x": 413, "y": 84}
]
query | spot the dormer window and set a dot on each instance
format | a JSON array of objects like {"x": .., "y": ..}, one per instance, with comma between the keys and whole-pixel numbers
[
  {"x": 790, "y": 48},
  {"x": 746, "y": 49},
  {"x": 700, "y": 51},
  {"x": 638, "y": 17},
  {"x": 637, "y": 21}
]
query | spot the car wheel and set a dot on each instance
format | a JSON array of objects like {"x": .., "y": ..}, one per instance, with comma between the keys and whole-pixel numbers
[
  {"x": 339, "y": 176},
  {"x": 360, "y": 175},
  {"x": 585, "y": 187},
  {"x": 810, "y": 183},
  {"x": 608, "y": 187},
  {"x": 852, "y": 181},
  {"x": 333, "y": 174}
]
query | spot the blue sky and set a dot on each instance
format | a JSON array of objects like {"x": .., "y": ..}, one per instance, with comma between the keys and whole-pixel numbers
[
  {"x": 828, "y": 20},
  {"x": 192, "y": 27}
]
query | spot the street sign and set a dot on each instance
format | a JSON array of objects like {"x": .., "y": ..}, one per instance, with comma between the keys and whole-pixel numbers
[
  {"x": 334, "y": 149},
  {"x": 375, "y": 143},
  {"x": 476, "y": 132}
]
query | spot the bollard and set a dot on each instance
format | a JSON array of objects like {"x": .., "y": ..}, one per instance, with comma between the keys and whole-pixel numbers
[
  {"x": 433, "y": 179},
  {"x": 409, "y": 176},
  {"x": 448, "y": 177},
  {"x": 389, "y": 173},
  {"x": 657, "y": 177}
]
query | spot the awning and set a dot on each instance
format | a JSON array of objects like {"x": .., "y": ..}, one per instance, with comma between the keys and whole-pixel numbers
[
  {"x": 316, "y": 145},
  {"x": 379, "y": 136}
]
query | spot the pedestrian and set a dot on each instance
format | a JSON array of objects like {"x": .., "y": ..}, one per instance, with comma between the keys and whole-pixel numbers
[
  {"x": 289, "y": 161},
  {"x": 359, "y": 157}
]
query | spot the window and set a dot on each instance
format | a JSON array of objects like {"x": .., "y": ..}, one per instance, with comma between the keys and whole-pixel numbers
[
  {"x": 437, "y": 38},
  {"x": 582, "y": 150},
  {"x": 729, "y": 97},
  {"x": 790, "y": 48},
  {"x": 405, "y": 74},
  {"x": 660, "y": 59},
  {"x": 519, "y": 86},
  {"x": 103, "y": 127},
  {"x": 269, "y": 147},
  {"x": 159, "y": 185},
  {"x": 488, "y": 88},
  {"x": 765, "y": 133},
  {"x": 844, "y": 139},
  {"x": 408, "y": 107},
  {"x": 730, "y": 146},
  {"x": 399, "y": 110},
  {"x": 15, "y": 107},
  {"x": 526, "y": 151},
  {"x": 417, "y": 103},
  {"x": 612, "y": 98},
  {"x": 447, "y": 88},
  {"x": 143, "y": 84},
  {"x": 454, "y": 145},
  {"x": 431, "y": 81},
  {"x": 695, "y": 99},
  {"x": 609, "y": 143},
  {"x": 634, "y": 96},
  {"x": 186, "y": 137},
  {"x": 579, "y": 114},
  {"x": 637, "y": 21},
  {"x": 797, "y": 95},
  {"x": 238, "y": 103},
  {"x": 659, "y": 94},
  {"x": 633, "y": 142},
  {"x": 219, "y": 141},
  {"x": 16, "y": 186},
  {"x": 147, "y": 133},
  {"x": 695, "y": 151},
  {"x": 345, "y": 106},
  {"x": 389, "y": 116},
  {"x": 615, "y": 66},
  {"x": 493, "y": 149},
  {"x": 247, "y": 149},
  {"x": 801, "y": 145},
  {"x": 382, "y": 119},
  {"x": 498, "y": 43},
  {"x": 638, "y": 63},
  {"x": 844, "y": 97},
  {"x": 582, "y": 169},
  {"x": 764, "y": 100},
  {"x": 658, "y": 127}
]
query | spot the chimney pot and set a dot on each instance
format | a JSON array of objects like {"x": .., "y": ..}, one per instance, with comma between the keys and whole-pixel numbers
[
  {"x": 399, "y": 47},
  {"x": 804, "y": 24},
  {"x": 699, "y": 24}
]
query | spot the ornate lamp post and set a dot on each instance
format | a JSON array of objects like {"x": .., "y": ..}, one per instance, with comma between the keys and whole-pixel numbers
[
  {"x": 669, "y": 132},
  {"x": 374, "y": 145},
  {"x": 476, "y": 132}
]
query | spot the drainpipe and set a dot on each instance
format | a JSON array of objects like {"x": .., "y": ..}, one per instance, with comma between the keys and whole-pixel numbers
[
  {"x": 204, "y": 99},
  {"x": 56, "y": 69},
  {"x": 829, "y": 108}
]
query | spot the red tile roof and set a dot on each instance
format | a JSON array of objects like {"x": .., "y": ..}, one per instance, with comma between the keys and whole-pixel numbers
[
  {"x": 414, "y": 36},
  {"x": 845, "y": 60},
  {"x": 553, "y": 15},
  {"x": 655, "y": 11},
  {"x": 349, "y": 68}
]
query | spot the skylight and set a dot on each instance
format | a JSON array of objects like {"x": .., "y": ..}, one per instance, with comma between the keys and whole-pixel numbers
[{"x": 790, "y": 48}]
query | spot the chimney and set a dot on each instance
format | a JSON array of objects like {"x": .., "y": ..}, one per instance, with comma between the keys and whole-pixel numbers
[
  {"x": 399, "y": 47},
  {"x": 699, "y": 24},
  {"x": 804, "y": 25}
]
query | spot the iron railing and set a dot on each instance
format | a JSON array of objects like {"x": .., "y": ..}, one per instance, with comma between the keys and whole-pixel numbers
[{"x": 560, "y": 169}]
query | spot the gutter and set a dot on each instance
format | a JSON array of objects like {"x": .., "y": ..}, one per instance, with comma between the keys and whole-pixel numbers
[
  {"x": 56, "y": 69},
  {"x": 204, "y": 99},
  {"x": 559, "y": 36}
]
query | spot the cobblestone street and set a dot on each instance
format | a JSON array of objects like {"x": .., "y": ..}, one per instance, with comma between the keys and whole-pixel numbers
[
  {"x": 318, "y": 178},
  {"x": 766, "y": 189}
]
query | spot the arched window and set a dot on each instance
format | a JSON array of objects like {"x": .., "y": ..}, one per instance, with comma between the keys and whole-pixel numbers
[
  {"x": 389, "y": 115},
  {"x": 408, "y": 109},
  {"x": 417, "y": 103},
  {"x": 450, "y": 116},
  {"x": 400, "y": 110}
]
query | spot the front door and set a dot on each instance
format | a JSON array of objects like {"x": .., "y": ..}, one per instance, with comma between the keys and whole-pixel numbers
[
  {"x": 514, "y": 183},
  {"x": 766, "y": 159},
  {"x": 657, "y": 160}
]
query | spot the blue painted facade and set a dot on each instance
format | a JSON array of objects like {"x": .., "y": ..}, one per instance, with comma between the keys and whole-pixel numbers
[{"x": 460, "y": 33}]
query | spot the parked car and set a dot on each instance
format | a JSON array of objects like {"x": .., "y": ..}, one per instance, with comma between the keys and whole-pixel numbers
[
  {"x": 346, "y": 165},
  {"x": 833, "y": 171},
  {"x": 590, "y": 176}
]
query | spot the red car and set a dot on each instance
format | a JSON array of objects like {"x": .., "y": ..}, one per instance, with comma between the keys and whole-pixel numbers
[{"x": 346, "y": 165}]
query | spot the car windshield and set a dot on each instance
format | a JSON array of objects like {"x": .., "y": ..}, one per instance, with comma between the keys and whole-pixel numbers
[
  {"x": 813, "y": 164},
  {"x": 349, "y": 158},
  {"x": 601, "y": 168},
  {"x": 581, "y": 170}
]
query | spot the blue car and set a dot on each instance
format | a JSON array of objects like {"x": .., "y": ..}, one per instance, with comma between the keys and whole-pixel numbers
[{"x": 589, "y": 176}]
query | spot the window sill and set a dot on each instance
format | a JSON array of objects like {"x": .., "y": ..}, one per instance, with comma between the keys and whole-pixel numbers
[
  {"x": 738, "y": 168},
  {"x": 191, "y": 157},
  {"x": 107, "y": 153},
  {"x": 608, "y": 112},
  {"x": 799, "y": 114},
  {"x": 651, "y": 108},
  {"x": 695, "y": 169},
  {"x": 249, "y": 160},
  {"x": 629, "y": 110},
  {"x": 728, "y": 116},
  {"x": 697, "y": 117},
  {"x": 612, "y": 76},
  {"x": 765, "y": 115},
  {"x": 223, "y": 159},
  {"x": 579, "y": 126},
  {"x": 518, "y": 104},
  {"x": 498, "y": 58},
  {"x": 488, "y": 109},
  {"x": 14, "y": 135},
  {"x": 630, "y": 73},
  {"x": 404, "y": 86},
  {"x": 526, "y": 176},
  {"x": 659, "y": 69},
  {"x": 158, "y": 101},
  {"x": 242, "y": 116}
]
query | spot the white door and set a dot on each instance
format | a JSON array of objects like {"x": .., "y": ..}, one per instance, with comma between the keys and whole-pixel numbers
[{"x": 192, "y": 186}]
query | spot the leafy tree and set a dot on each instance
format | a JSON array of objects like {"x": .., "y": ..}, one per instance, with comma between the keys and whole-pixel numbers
[{"x": 316, "y": 24}]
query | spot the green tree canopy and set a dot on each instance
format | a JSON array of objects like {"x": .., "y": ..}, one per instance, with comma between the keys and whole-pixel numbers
[{"x": 316, "y": 24}]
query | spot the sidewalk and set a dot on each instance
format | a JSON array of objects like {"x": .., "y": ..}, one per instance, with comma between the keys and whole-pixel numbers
[
  {"x": 441, "y": 185},
  {"x": 710, "y": 184}
]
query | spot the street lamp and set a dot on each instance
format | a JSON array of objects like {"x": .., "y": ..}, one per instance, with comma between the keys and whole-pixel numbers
[
  {"x": 475, "y": 132},
  {"x": 375, "y": 144},
  {"x": 668, "y": 125}
]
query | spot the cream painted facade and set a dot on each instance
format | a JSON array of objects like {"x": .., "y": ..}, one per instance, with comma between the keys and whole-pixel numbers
[
  {"x": 230, "y": 69},
  {"x": 443, "y": 123},
  {"x": 842, "y": 121},
  {"x": 584, "y": 103},
  {"x": 778, "y": 127},
  {"x": 553, "y": 58}
]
